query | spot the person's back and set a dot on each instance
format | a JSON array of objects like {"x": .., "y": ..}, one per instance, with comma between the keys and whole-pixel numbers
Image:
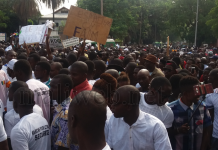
[
  {"x": 41, "y": 96},
  {"x": 31, "y": 133}
]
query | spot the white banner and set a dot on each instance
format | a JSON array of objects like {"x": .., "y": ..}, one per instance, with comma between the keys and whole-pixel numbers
[
  {"x": 2, "y": 36},
  {"x": 70, "y": 42},
  {"x": 55, "y": 42},
  {"x": 33, "y": 34}
]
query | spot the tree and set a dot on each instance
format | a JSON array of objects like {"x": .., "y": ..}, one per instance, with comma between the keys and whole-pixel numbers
[
  {"x": 3, "y": 20},
  {"x": 182, "y": 17},
  {"x": 54, "y": 4},
  {"x": 213, "y": 20},
  {"x": 26, "y": 9}
]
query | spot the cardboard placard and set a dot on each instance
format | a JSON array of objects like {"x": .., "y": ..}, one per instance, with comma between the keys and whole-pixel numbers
[
  {"x": 87, "y": 25},
  {"x": 70, "y": 42},
  {"x": 55, "y": 42},
  {"x": 33, "y": 34}
]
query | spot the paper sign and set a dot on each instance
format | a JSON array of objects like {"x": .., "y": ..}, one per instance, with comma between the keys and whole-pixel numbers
[
  {"x": 33, "y": 34},
  {"x": 87, "y": 25},
  {"x": 70, "y": 42},
  {"x": 55, "y": 42},
  {"x": 2, "y": 37}
]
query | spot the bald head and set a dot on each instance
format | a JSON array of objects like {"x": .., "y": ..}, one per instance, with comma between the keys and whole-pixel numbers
[
  {"x": 87, "y": 115},
  {"x": 113, "y": 72},
  {"x": 55, "y": 69},
  {"x": 128, "y": 93},
  {"x": 144, "y": 72},
  {"x": 57, "y": 65},
  {"x": 80, "y": 66}
]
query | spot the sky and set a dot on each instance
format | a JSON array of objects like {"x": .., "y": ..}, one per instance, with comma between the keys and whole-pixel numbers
[{"x": 45, "y": 11}]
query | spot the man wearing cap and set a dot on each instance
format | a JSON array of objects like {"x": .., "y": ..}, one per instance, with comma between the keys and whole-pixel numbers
[
  {"x": 170, "y": 69},
  {"x": 150, "y": 65},
  {"x": 10, "y": 69}
]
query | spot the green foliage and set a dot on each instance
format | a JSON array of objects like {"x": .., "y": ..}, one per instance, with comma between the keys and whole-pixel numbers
[
  {"x": 3, "y": 20},
  {"x": 213, "y": 20}
]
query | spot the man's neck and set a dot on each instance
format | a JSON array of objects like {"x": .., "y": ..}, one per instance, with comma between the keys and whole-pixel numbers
[
  {"x": 44, "y": 79},
  {"x": 90, "y": 143},
  {"x": 143, "y": 89},
  {"x": 26, "y": 112},
  {"x": 187, "y": 103},
  {"x": 27, "y": 78},
  {"x": 152, "y": 69},
  {"x": 132, "y": 117}
]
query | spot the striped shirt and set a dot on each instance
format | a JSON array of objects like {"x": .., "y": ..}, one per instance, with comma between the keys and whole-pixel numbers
[{"x": 201, "y": 119}]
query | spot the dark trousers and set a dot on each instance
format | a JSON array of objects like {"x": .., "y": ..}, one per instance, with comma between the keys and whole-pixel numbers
[{"x": 214, "y": 144}]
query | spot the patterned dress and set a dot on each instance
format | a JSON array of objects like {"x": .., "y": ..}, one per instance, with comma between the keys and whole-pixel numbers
[{"x": 59, "y": 128}]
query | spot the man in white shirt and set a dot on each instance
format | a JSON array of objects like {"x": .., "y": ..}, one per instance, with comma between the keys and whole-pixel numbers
[
  {"x": 9, "y": 56},
  {"x": 23, "y": 72},
  {"x": 10, "y": 71},
  {"x": 32, "y": 131},
  {"x": 212, "y": 104},
  {"x": 132, "y": 129},
  {"x": 11, "y": 118},
  {"x": 154, "y": 102},
  {"x": 86, "y": 120},
  {"x": 4, "y": 85},
  {"x": 3, "y": 137}
]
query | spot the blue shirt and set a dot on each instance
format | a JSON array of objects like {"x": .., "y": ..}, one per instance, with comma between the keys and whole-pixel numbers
[{"x": 201, "y": 119}]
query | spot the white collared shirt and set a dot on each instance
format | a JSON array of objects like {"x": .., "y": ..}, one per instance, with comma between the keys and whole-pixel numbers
[
  {"x": 147, "y": 133},
  {"x": 212, "y": 103},
  {"x": 164, "y": 113}
]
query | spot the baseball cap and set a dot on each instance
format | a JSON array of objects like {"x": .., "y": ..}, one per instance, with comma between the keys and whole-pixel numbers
[{"x": 11, "y": 63}]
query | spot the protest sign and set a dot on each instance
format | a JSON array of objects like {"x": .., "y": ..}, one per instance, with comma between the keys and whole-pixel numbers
[
  {"x": 2, "y": 36},
  {"x": 33, "y": 34},
  {"x": 70, "y": 42},
  {"x": 55, "y": 42},
  {"x": 87, "y": 25}
]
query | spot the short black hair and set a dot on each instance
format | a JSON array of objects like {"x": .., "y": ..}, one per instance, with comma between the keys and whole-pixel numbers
[
  {"x": 17, "y": 84},
  {"x": 21, "y": 56},
  {"x": 81, "y": 66},
  {"x": 24, "y": 97},
  {"x": 35, "y": 56},
  {"x": 159, "y": 82},
  {"x": 187, "y": 83},
  {"x": 64, "y": 71},
  {"x": 24, "y": 66},
  {"x": 64, "y": 63},
  {"x": 83, "y": 58},
  {"x": 100, "y": 65},
  {"x": 175, "y": 80},
  {"x": 214, "y": 72},
  {"x": 184, "y": 72},
  {"x": 142, "y": 54},
  {"x": 163, "y": 61},
  {"x": 92, "y": 55},
  {"x": 176, "y": 60},
  {"x": 72, "y": 57},
  {"x": 44, "y": 65},
  {"x": 127, "y": 59},
  {"x": 208, "y": 69},
  {"x": 65, "y": 80},
  {"x": 91, "y": 66},
  {"x": 140, "y": 67},
  {"x": 192, "y": 60}
]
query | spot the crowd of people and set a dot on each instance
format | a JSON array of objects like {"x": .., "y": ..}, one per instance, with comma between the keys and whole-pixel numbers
[{"x": 132, "y": 98}]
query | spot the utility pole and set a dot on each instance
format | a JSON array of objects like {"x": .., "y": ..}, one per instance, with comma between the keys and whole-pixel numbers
[
  {"x": 196, "y": 28},
  {"x": 99, "y": 48},
  {"x": 102, "y": 7}
]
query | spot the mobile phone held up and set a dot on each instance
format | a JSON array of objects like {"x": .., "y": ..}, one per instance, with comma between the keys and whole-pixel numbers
[{"x": 203, "y": 89}]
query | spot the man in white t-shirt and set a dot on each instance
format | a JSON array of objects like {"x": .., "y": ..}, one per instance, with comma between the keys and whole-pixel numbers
[
  {"x": 11, "y": 118},
  {"x": 4, "y": 85},
  {"x": 3, "y": 137},
  {"x": 154, "y": 101},
  {"x": 132, "y": 129},
  {"x": 32, "y": 131},
  {"x": 23, "y": 72},
  {"x": 86, "y": 120}
]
